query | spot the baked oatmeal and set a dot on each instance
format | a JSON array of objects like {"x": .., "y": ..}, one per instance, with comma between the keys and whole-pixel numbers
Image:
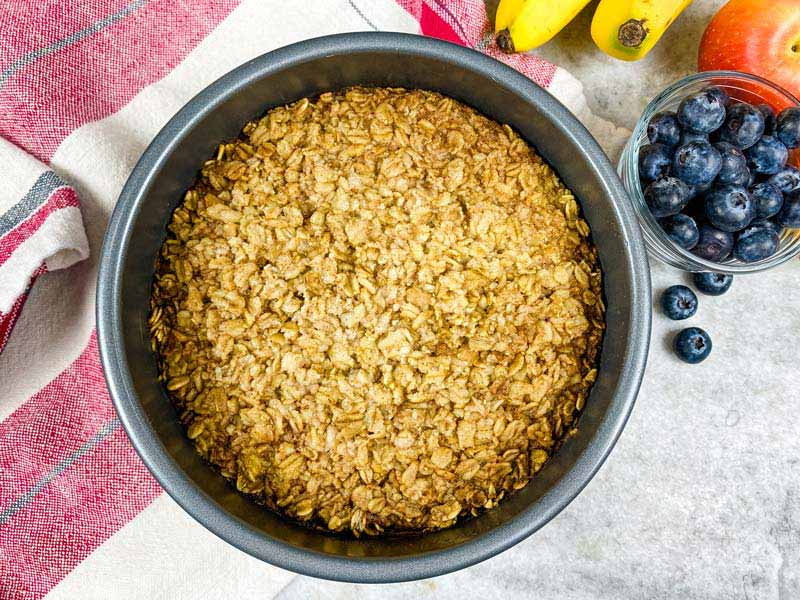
[{"x": 377, "y": 311}]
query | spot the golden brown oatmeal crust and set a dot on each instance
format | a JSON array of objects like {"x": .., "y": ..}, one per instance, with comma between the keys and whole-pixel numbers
[{"x": 377, "y": 310}]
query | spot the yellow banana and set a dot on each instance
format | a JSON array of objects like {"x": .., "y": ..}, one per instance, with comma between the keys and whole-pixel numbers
[
  {"x": 628, "y": 29},
  {"x": 507, "y": 11},
  {"x": 526, "y": 24}
]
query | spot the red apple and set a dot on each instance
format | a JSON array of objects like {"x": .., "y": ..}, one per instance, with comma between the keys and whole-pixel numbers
[{"x": 761, "y": 37}]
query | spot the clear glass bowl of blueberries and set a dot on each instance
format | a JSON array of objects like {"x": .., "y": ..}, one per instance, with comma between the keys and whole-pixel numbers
[{"x": 711, "y": 169}]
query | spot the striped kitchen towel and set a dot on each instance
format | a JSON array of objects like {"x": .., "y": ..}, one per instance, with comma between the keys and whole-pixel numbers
[
  {"x": 40, "y": 226},
  {"x": 84, "y": 87}
]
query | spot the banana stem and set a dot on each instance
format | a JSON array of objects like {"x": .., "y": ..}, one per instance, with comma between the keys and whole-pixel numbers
[
  {"x": 632, "y": 33},
  {"x": 504, "y": 41}
]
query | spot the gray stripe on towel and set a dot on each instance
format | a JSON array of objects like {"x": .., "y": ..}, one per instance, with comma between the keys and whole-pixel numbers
[
  {"x": 34, "y": 55},
  {"x": 87, "y": 446},
  {"x": 47, "y": 183}
]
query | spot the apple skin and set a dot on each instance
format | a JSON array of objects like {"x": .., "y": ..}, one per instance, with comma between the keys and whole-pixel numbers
[{"x": 761, "y": 37}]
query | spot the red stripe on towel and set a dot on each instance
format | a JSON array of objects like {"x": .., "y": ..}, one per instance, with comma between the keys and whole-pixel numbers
[
  {"x": 465, "y": 22},
  {"x": 43, "y": 102},
  {"x": 62, "y": 197},
  {"x": 95, "y": 496},
  {"x": 39, "y": 24},
  {"x": 69, "y": 479},
  {"x": 52, "y": 424}
]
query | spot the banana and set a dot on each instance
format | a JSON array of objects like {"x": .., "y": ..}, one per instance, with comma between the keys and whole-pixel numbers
[
  {"x": 522, "y": 25},
  {"x": 507, "y": 11},
  {"x": 628, "y": 29}
]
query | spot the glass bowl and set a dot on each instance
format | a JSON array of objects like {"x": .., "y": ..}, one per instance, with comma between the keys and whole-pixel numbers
[{"x": 741, "y": 87}]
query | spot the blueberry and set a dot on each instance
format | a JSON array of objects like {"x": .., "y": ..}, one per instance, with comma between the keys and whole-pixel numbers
[
  {"x": 692, "y": 345},
  {"x": 768, "y": 155},
  {"x": 770, "y": 120},
  {"x": 697, "y": 163},
  {"x": 696, "y": 191},
  {"x": 767, "y": 199},
  {"x": 742, "y": 178},
  {"x": 790, "y": 213},
  {"x": 729, "y": 207},
  {"x": 734, "y": 164},
  {"x": 755, "y": 243},
  {"x": 654, "y": 162},
  {"x": 743, "y": 127},
  {"x": 713, "y": 245},
  {"x": 701, "y": 111},
  {"x": 692, "y": 136},
  {"x": 789, "y": 127},
  {"x": 678, "y": 302},
  {"x": 718, "y": 93},
  {"x": 771, "y": 224},
  {"x": 713, "y": 284},
  {"x": 787, "y": 180},
  {"x": 666, "y": 196},
  {"x": 663, "y": 128},
  {"x": 682, "y": 230}
]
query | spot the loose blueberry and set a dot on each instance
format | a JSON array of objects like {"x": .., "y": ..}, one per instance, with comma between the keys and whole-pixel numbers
[
  {"x": 755, "y": 243},
  {"x": 733, "y": 168},
  {"x": 767, "y": 199},
  {"x": 697, "y": 163},
  {"x": 678, "y": 302},
  {"x": 718, "y": 93},
  {"x": 666, "y": 196},
  {"x": 692, "y": 345},
  {"x": 701, "y": 111},
  {"x": 692, "y": 136},
  {"x": 714, "y": 245},
  {"x": 787, "y": 180},
  {"x": 663, "y": 128},
  {"x": 789, "y": 127},
  {"x": 654, "y": 162},
  {"x": 770, "y": 120},
  {"x": 743, "y": 126},
  {"x": 682, "y": 230},
  {"x": 767, "y": 156},
  {"x": 790, "y": 213},
  {"x": 729, "y": 207},
  {"x": 713, "y": 284}
]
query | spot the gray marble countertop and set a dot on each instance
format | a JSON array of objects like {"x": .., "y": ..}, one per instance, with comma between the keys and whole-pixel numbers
[{"x": 701, "y": 497}]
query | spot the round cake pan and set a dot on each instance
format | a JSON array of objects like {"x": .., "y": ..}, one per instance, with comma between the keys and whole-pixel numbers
[{"x": 168, "y": 167}]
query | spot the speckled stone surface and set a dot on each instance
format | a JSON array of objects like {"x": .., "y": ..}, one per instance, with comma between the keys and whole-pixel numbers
[{"x": 701, "y": 497}]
